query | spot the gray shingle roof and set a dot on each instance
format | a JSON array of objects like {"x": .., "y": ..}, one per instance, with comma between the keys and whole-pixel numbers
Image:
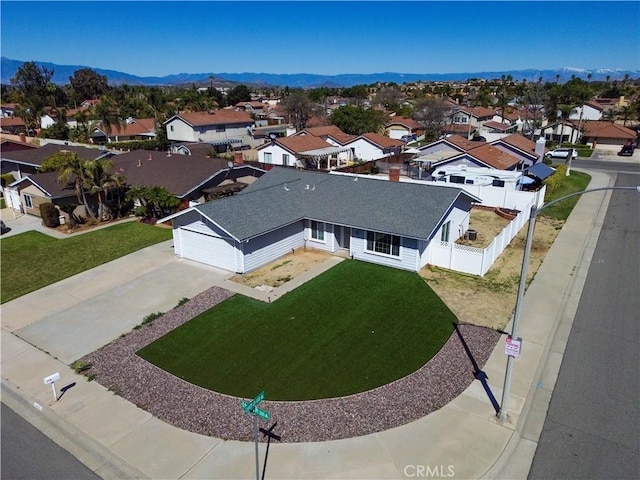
[{"x": 283, "y": 196}]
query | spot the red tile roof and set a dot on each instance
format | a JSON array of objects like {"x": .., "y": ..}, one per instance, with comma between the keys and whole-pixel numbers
[
  {"x": 608, "y": 130},
  {"x": 300, "y": 143},
  {"x": 519, "y": 141},
  {"x": 462, "y": 143},
  {"x": 494, "y": 157},
  {"x": 404, "y": 121},
  {"x": 381, "y": 140}
]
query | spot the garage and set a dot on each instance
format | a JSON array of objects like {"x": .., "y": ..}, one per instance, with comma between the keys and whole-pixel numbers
[{"x": 197, "y": 242}]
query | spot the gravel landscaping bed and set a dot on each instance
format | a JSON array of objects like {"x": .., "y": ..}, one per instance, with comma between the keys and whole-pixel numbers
[{"x": 117, "y": 367}]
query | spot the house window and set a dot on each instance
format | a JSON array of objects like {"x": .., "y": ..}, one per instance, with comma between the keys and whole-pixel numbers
[
  {"x": 456, "y": 179},
  {"x": 317, "y": 230},
  {"x": 220, "y": 128},
  {"x": 285, "y": 159},
  {"x": 28, "y": 201},
  {"x": 171, "y": 128},
  {"x": 267, "y": 157},
  {"x": 460, "y": 119},
  {"x": 383, "y": 243},
  {"x": 498, "y": 183},
  {"x": 444, "y": 235}
]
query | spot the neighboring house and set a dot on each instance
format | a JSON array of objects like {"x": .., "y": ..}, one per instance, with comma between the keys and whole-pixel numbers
[
  {"x": 190, "y": 179},
  {"x": 456, "y": 150},
  {"x": 257, "y": 108},
  {"x": 24, "y": 162},
  {"x": 563, "y": 131},
  {"x": 222, "y": 128},
  {"x": 8, "y": 109},
  {"x": 133, "y": 129},
  {"x": 304, "y": 151},
  {"x": 90, "y": 103},
  {"x": 606, "y": 133},
  {"x": 473, "y": 117},
  {"x": 399, "y": 127},
  {"x": 12, "y": 125},
  {"x": 389, "y": 223},
  {"x": 590, "y": 110},
  {"x": 329, "y": 133},
  {"x": 520, "y": 147},
  {"x": 373, "y": 146},
  {"x": 27, "y": 194},
  {"x": 7, "y": 145}
]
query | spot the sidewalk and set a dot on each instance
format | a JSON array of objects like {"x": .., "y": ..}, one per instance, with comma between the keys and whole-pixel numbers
[{"x": 463, "y": 439}]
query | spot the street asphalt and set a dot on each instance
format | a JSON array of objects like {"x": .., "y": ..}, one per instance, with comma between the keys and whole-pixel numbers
[{"x": 44, "y": 331}]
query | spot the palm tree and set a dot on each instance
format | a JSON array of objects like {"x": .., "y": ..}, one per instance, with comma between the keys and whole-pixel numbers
[
  {"x": 99, "y": 178},
  {"x": 70, "y": 168}
]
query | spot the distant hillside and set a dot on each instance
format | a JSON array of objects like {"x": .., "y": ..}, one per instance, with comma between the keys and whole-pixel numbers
[{"x": 309, "y": 80}]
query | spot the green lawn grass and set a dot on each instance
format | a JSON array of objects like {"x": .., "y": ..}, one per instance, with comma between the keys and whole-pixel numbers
[
  {"x": 353, "y": 328},
  {"x": 575, "y": 182},
  {"x": 33, "y": 260}
]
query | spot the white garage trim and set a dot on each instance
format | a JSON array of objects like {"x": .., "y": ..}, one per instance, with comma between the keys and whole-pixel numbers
[{"x": 208, "y": 248}]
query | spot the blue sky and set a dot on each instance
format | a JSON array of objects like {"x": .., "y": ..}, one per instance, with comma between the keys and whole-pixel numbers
[{"x": 159, "y": 38}]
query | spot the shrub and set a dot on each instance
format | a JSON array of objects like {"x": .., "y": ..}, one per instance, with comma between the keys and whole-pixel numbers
[
  {"x": 50, "y": 215},
  {"x": 7, "y": 179},
  {"x": 80, "y": 366},
  {"x": 151, "y": 317},
  {"x": 555, "y": 181},
  {"x": 182, "y": 301}
]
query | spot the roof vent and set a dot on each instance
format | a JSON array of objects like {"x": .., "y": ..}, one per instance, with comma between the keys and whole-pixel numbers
[
  {"x": 150, "y": 157},
  {"x": 286, "y": 188},
  {"x": 139, "y": 163}
]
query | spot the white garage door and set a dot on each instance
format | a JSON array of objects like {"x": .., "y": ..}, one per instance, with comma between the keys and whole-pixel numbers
[{"x": 205, "y": 248}]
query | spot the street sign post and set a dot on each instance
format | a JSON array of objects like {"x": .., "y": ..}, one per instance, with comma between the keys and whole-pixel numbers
[{"x": 252, "y": 407}]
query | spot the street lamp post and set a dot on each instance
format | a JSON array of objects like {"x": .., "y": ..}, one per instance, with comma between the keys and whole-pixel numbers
[{"x": 503, "y": 413}]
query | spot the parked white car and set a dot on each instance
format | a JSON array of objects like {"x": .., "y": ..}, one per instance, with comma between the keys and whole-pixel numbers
[{"x": 562, "y": 153}]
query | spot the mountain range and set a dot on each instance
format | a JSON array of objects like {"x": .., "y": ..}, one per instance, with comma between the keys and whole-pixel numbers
[{"x": 62, "y": 73}]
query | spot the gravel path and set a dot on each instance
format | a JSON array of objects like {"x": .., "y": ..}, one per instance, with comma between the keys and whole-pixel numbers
[{"x": 189, "y": 407}]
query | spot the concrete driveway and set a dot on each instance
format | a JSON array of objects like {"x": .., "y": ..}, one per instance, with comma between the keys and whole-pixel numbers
[{"x": 80, "y": 314}]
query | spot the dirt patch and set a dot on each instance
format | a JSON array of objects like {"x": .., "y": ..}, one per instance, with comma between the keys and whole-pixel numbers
[
  {"x": 488, "y": 226},
  {"x": 284, "y": 269},
  {"x": 489, "y": 301}
]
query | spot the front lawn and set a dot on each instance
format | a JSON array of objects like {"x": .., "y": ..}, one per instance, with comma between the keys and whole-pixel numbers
[
  {"x": 575, "y": 182},
  {"x": 351, "y": 329},
  {"x": 33, "y": 260}
]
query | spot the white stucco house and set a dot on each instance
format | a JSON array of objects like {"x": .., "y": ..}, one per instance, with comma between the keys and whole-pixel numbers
[
  {"x": 373, "y": 146},
  {"x": 304, "y": 151},
  {"x": 226, "y": 127},
  {"x": 383, "y": 222}
]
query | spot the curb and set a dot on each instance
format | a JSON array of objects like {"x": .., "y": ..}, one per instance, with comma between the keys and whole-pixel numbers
[
  {"x": 504, "y": 467},
  {"x": 96, "y": 456}
]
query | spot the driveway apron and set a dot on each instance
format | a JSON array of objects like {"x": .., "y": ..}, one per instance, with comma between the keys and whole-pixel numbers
[{"x": 82, "y": 313}]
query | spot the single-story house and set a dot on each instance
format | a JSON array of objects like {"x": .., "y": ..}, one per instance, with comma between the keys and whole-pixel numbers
[
  {"x": 373, "y": 146},
  {"x": 24, "y": 162},
  {"x": 190, "y": 179},
  {"x": 304, "y": 151},
  {"x": 607, "y": 133},
  {"x": 223, "y": 127},
  {"x": 384, "y": 222},
  {"x": 329, "y": 133},
  {"x": 12, "y": 125},
  {"x": 519, "y": 146},
  {"x": 133, "y": 129},
  {"x": 399, "y": 127},
  {"x": 565, "y": 131}
]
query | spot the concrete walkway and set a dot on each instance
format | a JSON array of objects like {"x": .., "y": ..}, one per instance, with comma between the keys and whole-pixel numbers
[{"x": 42, "y": 332}]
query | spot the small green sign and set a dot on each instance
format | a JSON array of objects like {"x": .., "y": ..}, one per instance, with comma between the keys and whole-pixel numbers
[
  {"x": 249, "y": 406},
  {"x": 261, "y": 413}
]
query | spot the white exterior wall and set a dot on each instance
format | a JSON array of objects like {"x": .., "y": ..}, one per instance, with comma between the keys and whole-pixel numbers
[
  {"x": 397, "y": 132},
  {"x": 588, "y": 113},
  {"x": 183, "y": 132},
  {"x": 277, "y": 153},
  {"x": 178, "y": 130},
  {"x": 271, "y": 246},
  {"x": 365, "y": 150},
  {"x": 408, "y": 259}
]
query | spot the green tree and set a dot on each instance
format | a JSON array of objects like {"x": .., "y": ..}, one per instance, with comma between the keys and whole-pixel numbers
[
  {"x": 240, "y": 93},
  {"x": 99, "y": 179},
  {"x": 33, "y": 86},
  {"x": 71, "y": 171},
  {"x": 356, "y": 120},
  {"x": 86, "y": 84},
  {"x": 299, "y": 108},
  {"x": 155, "y": 200}
]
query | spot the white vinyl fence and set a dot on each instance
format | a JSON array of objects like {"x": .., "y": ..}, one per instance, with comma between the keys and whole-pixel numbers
[{"x": 477, "y": 261}]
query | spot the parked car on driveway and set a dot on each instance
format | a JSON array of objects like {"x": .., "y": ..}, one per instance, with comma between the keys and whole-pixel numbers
[
  {"x": 628, "y": 149},
  {"x": 562, "y": 153}
]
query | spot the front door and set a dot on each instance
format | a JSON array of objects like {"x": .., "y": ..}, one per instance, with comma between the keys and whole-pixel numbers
[{"x": 343, "y": 235}]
